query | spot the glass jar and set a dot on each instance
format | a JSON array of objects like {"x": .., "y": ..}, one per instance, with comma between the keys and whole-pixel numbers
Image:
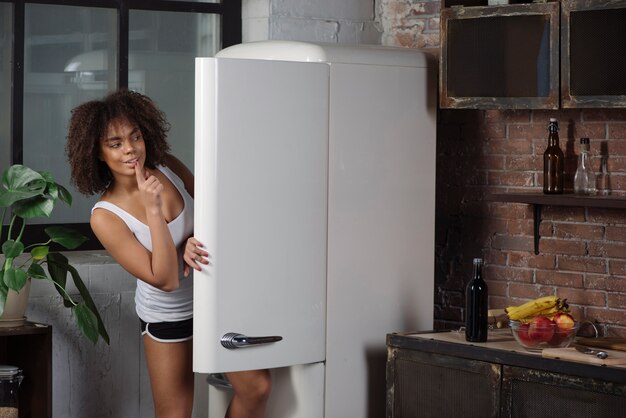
[{"x": 10, "y": 380}]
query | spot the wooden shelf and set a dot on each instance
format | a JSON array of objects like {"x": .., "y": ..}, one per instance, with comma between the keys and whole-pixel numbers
[
  {"x": 539, "y": 199},
  {"x": 29, "y": 347}
]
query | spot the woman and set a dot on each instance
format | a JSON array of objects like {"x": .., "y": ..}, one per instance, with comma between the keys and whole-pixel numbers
[{"x": 117, "y": 147}]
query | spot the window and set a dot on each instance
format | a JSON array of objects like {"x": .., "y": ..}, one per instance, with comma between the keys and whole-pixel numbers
[{"x": 56, "y": 55}]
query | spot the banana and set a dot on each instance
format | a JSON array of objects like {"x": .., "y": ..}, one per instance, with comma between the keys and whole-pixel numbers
[{"x": 545, "y": 305}]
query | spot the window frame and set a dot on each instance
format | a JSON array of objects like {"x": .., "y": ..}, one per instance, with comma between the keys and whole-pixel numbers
[{"x": 229, "y": 10}]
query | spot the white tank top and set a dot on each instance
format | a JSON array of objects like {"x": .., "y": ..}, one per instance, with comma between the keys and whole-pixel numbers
[{"x": 152, "y": 304}]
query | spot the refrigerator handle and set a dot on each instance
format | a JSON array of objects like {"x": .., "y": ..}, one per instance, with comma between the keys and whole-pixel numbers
[{"x": 234, "y": 340}]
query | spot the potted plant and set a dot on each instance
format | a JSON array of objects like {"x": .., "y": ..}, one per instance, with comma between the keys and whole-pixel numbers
[{"x": 27, "y": 194}]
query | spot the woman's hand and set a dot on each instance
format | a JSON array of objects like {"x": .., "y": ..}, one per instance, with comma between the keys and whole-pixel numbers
[
  {"x": 194, "y": 256},
  {"x": 150, "y": 189}
]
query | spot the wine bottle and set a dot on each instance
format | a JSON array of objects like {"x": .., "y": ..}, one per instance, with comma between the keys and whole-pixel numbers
[
  {"x": 476, "y": 307},
  {"x": 585, "y": 178},
  {"x": 553, "y": 161}
]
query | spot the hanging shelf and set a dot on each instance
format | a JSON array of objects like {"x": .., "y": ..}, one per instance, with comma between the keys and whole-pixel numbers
[{"x": 538, "y": 200}]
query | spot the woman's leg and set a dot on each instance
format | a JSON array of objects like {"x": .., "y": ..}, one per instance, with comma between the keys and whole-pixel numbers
[
  {"x": 171, "y": 377},
  {"x": 251, "y": 390}
]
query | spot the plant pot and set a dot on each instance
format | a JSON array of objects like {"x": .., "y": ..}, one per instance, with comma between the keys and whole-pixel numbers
[{"x": 15, "y": 307}]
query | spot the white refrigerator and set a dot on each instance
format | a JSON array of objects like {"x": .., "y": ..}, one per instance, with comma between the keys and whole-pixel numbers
[{"x": 315, "y": 195}]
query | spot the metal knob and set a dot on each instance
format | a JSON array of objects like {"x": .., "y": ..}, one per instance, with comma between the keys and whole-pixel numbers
[{"x": 234, "y": 340}]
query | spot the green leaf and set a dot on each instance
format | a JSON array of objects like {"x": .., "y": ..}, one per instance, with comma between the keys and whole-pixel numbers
[
  {"x": 57, "y": 267},
  {"x": 15, "y": 278},
  {"x": 64, "y": 195},
  {"x": 67, "y": 237},
  {"x": 35, "y": 207},
  {"x": 57, "y": 260},
  {"x": 20, "y": 183},
  {"x": 4, "y": 290},
  {"x": 12, "y": 248},
  {"x": 87, "y": 321},
  {"x": 40, "y": 252},
  {"x": 37, "y": 272}
]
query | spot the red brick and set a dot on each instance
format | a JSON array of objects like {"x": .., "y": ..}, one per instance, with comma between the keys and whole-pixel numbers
[
  {"x": 564, "y": 116},
  {"x": 617, "y": 300},
  {"x": 581, "y": 231},
  {"x": 531, "y": 260},
  {"x": 507, "y": 116},
  {"x": 529, "y": 131},
  {"x": 617, "y": 130},
  {"x": 555, "y": 278},
  {"x": 497, "y": 288},
  {"x": 559, "y": 246},
  {"x": 606, "y": 216},
  {"x": 608, "y": 316},
  {"x": 604, "y": 114},
  {"x": 508, "y": 274},
  {"x": 616, "y": 164},
  {"x": 494, "y": 162},
  {"x": 614, "y": 147},
  {"x": 616, "y": 233},
  {"x": 528, "y": 291},
  {"x": 508, "y": 147},
  {"x": 585, "y": 264},
  {"x": 518, "y": 243},
  {"x": 592, "y": 130},
  {"x": 509, "y": 211},
  {"x": 595, "y": 281},
  {"x": 425, "y": 8},
  {"x": 513, "y": 178},
  {"x": 582, "y": 296},
  {"x": 616, "y": 284},
  {"x": 563, "y": 213},
  {"x": 520, "y": 227},
  {"x": 618, "y": 332},
  {"x": 498, "y": 302},
  {"x": 524, "y": 162},
  {"x": 607, "y": 249},
  {"x": 495, "y": 257},
  {"x": 617, "y": 267}
]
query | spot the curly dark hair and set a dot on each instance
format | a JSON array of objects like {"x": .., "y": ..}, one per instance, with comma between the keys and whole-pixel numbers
[{"x": 88, "y": 125}]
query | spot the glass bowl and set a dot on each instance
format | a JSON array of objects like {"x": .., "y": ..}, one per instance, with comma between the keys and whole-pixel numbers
[{"x": 537, "y": 335}]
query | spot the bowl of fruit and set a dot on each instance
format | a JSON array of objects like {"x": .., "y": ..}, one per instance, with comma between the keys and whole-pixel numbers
[{"x": 542, "y": 323}]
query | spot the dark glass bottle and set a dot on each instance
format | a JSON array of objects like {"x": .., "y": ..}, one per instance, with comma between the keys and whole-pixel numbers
[
  {"x": 553, "y": 161},
  {"x": 476, "y": 311}
]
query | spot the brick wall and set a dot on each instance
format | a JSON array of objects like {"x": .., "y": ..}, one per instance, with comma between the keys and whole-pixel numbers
[{"x": 582, "y": 252}]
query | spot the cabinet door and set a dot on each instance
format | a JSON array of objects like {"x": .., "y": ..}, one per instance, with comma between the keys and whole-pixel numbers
[
  {"x": 500, "y": 57},
  {"x": 528, "y": 393},
  {"x": 593, "y": 53},
  {"x": 426, "y": 385}
]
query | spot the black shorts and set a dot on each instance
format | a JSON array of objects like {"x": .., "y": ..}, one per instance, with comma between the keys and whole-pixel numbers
[{"x": 168, "y": 332}]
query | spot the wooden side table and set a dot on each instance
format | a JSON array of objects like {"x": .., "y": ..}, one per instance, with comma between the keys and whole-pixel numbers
[{"x": 29, "y": 347}]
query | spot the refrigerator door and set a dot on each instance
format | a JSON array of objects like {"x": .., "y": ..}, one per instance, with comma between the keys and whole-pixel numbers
[{"x": 261, "y": 163}]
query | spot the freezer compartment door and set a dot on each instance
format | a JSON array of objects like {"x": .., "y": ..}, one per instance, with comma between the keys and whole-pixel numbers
[{"x": 261, "y": 163}]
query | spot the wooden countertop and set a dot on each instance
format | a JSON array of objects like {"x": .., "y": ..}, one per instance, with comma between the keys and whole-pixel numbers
[{"x": 500, "y": 348}]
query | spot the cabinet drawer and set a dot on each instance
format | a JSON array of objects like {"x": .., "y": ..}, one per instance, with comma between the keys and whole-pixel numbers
[
  {"x": 528, "y": 393},
  {"x": 430, "y": 385}
]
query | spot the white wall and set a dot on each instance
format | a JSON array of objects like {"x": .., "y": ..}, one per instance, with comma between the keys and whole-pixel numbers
[
  {"x": 111, "y": 381},
  {"x": 334, "y": 21}
]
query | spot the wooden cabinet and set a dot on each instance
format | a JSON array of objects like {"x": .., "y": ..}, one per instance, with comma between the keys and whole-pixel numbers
[
  {"x": 29, "y": 347},
  {"x": 567, "y": 54},
  {"x": 432, "y": 375},
  {"x": 500, "y": 57}
]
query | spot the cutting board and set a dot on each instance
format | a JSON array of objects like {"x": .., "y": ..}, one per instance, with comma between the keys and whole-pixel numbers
[
  {"x": 613, "y": 343},
  {"x": 570, "y": 353}
]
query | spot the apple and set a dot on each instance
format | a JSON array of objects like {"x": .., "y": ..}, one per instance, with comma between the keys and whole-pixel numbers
[
  {"x": 564, "y": 321},
  {"x": 541, "y": 329},
  {"x": 522, "y": 334}
]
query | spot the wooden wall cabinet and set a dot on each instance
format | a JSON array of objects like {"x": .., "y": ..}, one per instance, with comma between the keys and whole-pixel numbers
[
  {"x": 567, "y": 54},
  {"x": 29, "y": 347}
]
